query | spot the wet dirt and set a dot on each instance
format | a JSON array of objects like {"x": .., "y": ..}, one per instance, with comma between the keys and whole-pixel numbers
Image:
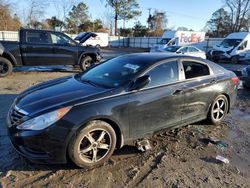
[{"x": 183, "y": 157}]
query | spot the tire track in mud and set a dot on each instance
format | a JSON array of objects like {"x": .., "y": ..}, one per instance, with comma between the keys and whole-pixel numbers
[{"x": 145, "y": 170}]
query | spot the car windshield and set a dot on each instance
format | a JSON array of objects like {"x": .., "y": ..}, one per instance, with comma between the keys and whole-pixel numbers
[
  {"x": 230, "y": 42},
  {"x": 164, "y": 41},
  {"x": 172, "y": 48},
  {"x": 113, "y": 73}
]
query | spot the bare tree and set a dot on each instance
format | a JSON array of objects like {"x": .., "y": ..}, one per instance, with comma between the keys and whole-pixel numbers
[
  {"x": 63, "y": 7},
  {"x": 239, "y": 11},
  {"x": 35, "y": 11},
  {"x": 7, "y": 21},
  {"x": 107, "y": 20}
]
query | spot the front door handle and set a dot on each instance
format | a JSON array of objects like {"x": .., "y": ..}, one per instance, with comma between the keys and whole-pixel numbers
[{"x": 177, "y": 92}]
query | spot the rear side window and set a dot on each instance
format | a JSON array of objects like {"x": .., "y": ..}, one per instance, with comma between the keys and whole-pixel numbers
[
  {"x": 163, "y": 74},
  {"x": 192, "y": 49},
  {"x": 194, "y": 69},
  {"x": 37, "y": 37}
]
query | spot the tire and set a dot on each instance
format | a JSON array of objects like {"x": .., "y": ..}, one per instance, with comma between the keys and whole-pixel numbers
[
  {"x": 6, "y": 67},
  {"x": 92, "y": 145},
  {"x": 235, "y": 59},
  {"x": 86, "y": 63},
  {"x": 218, "y": 110},
  {"x": 98, "y": 46}
]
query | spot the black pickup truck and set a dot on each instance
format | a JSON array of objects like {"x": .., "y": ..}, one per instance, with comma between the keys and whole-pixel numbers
[{"x": 42, "y": 47}]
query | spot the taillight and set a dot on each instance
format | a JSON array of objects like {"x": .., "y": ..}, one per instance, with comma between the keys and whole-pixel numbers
[{"x": 235, "y": 80}]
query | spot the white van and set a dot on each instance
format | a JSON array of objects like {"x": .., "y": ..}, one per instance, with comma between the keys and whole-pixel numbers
[
  {"x": 178, "y": 38},
  {"x": 96, "y": 39},
  {"x": 232, "y": 48}
]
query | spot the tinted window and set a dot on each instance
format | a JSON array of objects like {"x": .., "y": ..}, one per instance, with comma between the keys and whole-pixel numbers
[
  {"x": 163, "y": 74},
  {"x": 60, "y": 39},
  {"x": 114, "y": 72},
  {"x": 194, "y": 69},
  {"x": 37, "y": 37}
]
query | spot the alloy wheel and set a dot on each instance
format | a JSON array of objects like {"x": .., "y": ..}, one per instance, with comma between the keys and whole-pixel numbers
[
  {"x": 94, "y": 146},
  {"x": 219, "y": 109}
]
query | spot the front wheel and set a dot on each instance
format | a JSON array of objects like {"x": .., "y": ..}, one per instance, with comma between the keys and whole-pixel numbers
[
  {"x": 93, "y": 145},
  {"x": 6, "y": 67},
  {"x": 218, "y": 110},
  {"x": 86, "y": 63},
  {"x": 235, "y": 59}
]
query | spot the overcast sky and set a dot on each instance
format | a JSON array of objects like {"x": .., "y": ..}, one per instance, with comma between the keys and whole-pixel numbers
[{"x": 192, "y": 14}]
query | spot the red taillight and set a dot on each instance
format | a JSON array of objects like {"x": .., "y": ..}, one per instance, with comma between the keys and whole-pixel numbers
[{"x": 235, "y": 80}]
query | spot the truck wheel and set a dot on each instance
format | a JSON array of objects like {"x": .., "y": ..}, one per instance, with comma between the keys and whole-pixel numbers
[
  {"x": 235, "y": 59},
  {"x": 86, "y": 63},
  {"x": 98, "y": 46},
  {"x": 6, "y": 67},
  {"x": 92, "y": 145}
]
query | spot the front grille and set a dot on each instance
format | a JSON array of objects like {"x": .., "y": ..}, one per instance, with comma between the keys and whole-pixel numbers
[
  {"x": 16, "y": 116},
  {"x": 218, "y": 52}
]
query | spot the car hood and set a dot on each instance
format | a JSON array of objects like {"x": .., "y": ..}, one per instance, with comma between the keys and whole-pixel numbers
[
  {"x": 83, "y": 36},
  {"x": 64, "y": 91}
]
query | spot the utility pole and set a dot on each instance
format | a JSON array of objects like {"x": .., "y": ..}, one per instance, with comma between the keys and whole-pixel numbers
[{"x": 149, "y": 15}]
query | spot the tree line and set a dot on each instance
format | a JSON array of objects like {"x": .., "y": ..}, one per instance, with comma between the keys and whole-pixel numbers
[{"x": 72, "y": 16}]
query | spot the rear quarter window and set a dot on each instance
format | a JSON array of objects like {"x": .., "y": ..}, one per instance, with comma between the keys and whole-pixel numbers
[{"x": 217, "y": 69}]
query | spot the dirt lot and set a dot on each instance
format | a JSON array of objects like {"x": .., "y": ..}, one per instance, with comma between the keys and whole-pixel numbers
[{"x": 179, "y": 158}]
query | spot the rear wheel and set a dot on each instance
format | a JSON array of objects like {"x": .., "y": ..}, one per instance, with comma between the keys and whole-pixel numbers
[
  {"x": 6, "y": 67},
  {"x": 86, "y": 63},
  {"x": 93, "y": 145},
  {"x": 218, "y": 110}
]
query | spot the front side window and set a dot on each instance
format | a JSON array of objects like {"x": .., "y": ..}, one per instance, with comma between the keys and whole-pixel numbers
[
  {"x": 61, "y": 39},
  {"x": 194, "y": 69},
  {"x": 163, "y": 74},
  {"x": 38, "y": 37},
  {"x": 183, "y": 50}
]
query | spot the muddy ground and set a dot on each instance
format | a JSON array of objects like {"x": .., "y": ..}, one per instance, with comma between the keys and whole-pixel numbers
[{"x": 179, "y": 158}]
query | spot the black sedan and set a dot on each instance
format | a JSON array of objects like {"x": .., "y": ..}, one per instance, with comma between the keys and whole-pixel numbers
[{"x": 85, "y": 117}]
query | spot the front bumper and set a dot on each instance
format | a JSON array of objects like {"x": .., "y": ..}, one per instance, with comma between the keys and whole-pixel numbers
[{"x": 47, "y": 146}]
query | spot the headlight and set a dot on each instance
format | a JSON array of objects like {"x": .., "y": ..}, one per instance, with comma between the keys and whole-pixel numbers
[{"x": 43, "y": 121}]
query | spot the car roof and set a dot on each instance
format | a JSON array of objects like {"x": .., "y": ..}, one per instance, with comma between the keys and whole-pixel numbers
[{"x": 152, "y": 58}]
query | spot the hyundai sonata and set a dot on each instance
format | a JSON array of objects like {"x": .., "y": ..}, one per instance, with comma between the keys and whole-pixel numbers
[{"x": 85, "y": 117}]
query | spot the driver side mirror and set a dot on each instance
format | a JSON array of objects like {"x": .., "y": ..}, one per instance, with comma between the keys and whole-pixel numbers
[{"x": 140, "y": 83}]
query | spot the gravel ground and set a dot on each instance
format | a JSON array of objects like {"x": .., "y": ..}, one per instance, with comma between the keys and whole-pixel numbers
[{"x": 179, "y": 158}]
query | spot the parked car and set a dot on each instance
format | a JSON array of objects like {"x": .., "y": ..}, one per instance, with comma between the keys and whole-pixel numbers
[
  {"x": 246, "y": 77},
  {"x": 186, "y": 50},
  {"x": 42, "y": 47},
  {"x": 87, "y": 116}
]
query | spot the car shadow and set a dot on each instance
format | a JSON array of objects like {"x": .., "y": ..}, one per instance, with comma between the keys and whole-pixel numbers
[{"x": 55, "y": 68}]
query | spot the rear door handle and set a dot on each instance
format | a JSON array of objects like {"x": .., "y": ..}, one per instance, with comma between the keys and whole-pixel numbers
[
  {"x": 177, "y": 92},
  {"x": 213, "y": 81}
]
